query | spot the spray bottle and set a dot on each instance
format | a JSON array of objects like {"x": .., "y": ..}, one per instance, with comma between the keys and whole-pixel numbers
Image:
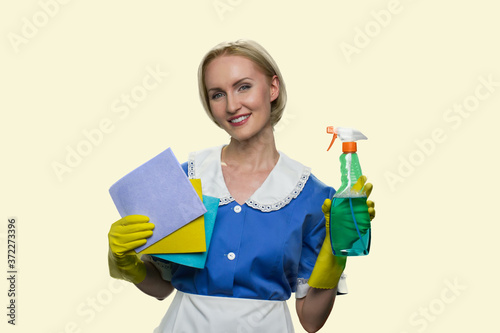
[{"x": 350, "y": 229}]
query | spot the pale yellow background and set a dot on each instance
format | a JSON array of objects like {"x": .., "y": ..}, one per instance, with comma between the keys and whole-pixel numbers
[{"x": 440, "y": 223}]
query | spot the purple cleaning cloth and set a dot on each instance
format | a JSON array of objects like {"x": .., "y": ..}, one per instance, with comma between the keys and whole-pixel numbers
[{"x": 160, "y": 190}]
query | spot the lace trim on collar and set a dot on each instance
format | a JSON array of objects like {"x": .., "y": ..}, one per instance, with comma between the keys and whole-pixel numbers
[
  {"x": 282, "y": 203},
  {"x": 226, "y": 198}
]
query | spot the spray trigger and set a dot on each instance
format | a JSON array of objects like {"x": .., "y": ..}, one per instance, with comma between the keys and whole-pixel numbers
[{"x": 330, "y": 130}]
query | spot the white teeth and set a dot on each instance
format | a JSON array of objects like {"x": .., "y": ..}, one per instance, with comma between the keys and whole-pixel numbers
[{"x": 239, "y": 119}]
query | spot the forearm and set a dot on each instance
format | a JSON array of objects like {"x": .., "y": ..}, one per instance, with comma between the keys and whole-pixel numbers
[
  {"x": 154, "y": 285},
  {"x": 314, "y": 309}
]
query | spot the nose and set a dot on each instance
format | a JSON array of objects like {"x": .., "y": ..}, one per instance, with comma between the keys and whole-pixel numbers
[{"x": 233, "y": 104}]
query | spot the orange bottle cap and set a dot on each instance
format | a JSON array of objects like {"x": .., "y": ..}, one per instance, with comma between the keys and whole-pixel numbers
[{"x": 349, "y": 147}]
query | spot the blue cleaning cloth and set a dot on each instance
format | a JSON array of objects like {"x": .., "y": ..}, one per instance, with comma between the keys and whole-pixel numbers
[{"x": 160, "y": 190}]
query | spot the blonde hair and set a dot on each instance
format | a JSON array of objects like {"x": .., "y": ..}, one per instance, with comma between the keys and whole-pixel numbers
[{"x": 259, "y": 56}]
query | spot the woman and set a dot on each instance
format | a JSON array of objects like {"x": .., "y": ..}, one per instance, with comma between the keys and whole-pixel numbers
[{"x": 269, "y": 233}]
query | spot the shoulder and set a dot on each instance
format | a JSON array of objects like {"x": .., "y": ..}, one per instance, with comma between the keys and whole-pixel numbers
[
  {"x": 316, "y": 186},
  {"x": 312, "y": 185}
]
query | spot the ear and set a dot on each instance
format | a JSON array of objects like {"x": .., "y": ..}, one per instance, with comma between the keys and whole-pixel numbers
[{"x": 274, "y": 88}]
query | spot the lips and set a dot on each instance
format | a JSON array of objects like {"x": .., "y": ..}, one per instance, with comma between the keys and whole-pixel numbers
[{"x": 239, "y": 120}]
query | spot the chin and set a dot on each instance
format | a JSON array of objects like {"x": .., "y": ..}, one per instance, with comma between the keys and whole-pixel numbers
[
  {"x": 240, "y": 135},
  {"x": 241, "y": 138}
]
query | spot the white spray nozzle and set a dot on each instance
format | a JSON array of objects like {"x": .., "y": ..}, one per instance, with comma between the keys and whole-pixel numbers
[{"x": 346, "y": 134}]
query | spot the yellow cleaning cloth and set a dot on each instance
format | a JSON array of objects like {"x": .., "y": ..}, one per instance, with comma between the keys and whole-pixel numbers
[{"x": 190, "y": 238}]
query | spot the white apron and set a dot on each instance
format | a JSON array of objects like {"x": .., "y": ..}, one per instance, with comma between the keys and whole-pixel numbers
[{"x": 191, "y": 313}]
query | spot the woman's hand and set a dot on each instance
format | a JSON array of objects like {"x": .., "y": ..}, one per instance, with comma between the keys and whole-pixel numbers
[
  {"x": 328, "y": 267},
  {"x": 314, "y": 309},
  {"x": 124, "y": 236}
]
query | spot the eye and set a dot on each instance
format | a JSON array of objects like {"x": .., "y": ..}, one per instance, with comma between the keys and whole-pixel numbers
[
  {"x": 245, "y": 87},
  {"x": 217, "y": 95}
]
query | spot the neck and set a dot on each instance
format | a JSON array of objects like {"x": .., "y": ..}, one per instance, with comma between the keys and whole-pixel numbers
[{"x": 256, "y": 153}]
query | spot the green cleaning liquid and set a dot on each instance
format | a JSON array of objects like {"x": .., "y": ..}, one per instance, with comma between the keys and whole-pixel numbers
[{"x": 350, "y": 229}]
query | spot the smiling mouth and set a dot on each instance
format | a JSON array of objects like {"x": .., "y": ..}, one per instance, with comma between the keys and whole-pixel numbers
[{"x": 239, "y": 119}]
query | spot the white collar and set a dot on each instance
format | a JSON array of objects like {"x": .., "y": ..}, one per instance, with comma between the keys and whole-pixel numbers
[{"x": 284, "y": 183}]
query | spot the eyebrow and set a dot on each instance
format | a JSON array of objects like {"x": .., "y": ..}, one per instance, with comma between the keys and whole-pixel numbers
[{"x": 234, "y": 84}]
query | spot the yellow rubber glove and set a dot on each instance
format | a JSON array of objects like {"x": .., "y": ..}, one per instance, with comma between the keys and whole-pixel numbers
[
  {"x": 328, "y": 267},
  {"x": 124, "y": 236}
]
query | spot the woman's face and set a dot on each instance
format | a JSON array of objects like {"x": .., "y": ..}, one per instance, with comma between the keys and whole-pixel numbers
[{"x": 240, "y": 96}]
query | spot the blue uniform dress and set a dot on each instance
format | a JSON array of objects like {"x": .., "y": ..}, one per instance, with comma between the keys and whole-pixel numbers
[{"x": 260, "y": 252}]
